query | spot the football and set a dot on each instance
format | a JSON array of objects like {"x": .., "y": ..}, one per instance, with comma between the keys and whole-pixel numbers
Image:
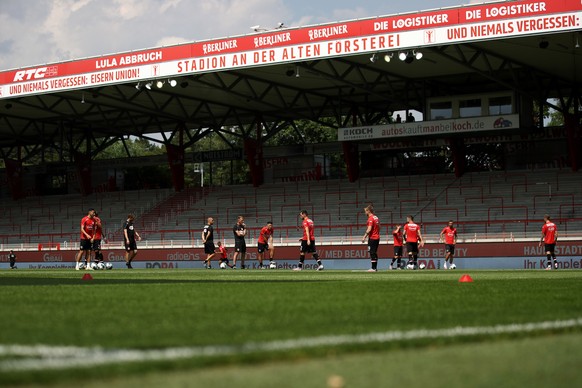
[
  {"x": 453, "y": 266},
  {"x": 81, "y": 265},
  {"x": 422, "y": 266},
  {"x": 223, "y": 265},
  {"x": 108, "y": 266},
  {"x": 410, "y": 266},
  {"x": 272, "y": 265},
  {"x": 94, "y": 266},
  {"x": 101, "y": 265}
]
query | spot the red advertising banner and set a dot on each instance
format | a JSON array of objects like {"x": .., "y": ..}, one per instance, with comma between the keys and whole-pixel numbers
[
  {"x": 528, "y": 250},
  {"x": 413, "y": 30}
]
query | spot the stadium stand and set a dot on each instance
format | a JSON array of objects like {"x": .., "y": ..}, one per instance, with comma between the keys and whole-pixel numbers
[{"x": 484, "y": 205}]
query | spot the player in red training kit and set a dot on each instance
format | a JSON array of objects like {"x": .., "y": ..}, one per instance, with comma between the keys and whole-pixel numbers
[
  {"x": 265, "y": 243},
  {"x": 413, "y": 239},
  {"x": 449, "y": 235},
  {"x": 97, "y": 236},
  {"x": 87, "y": 231},
  {"x": 549, "y": 238},
  {"x": 373, "y": 235},
  {"x": 307, "y": 242},
  {"x": 223, "y": 254},
  {"x": 398, "y": 242}
]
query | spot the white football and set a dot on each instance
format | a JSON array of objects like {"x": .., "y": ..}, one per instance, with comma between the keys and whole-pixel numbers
[
  {"x": 273, "y": 265},
  {"x": 223, "y": 265},
  {"x": 410, "y": 266},
  {"x": 453, "y": 266},
  {"x": 101, "y": 265},
  {"x": 94, "y": 266},
  {"x": 81, "y": 265},
  {"x": 422, "y": 266},
  {"x": 108, "y": 266}
]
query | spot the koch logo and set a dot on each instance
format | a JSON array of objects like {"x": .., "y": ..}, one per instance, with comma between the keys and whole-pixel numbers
[{"x": 358, "y": 132}]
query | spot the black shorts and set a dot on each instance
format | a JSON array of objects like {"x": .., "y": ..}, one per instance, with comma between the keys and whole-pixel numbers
[
  {"x": 85, "y": 245},
  {"x": 450, "y": 248},
  {"x": 240, "y": 246},
  {"x": 550, "y": 248},
  {"x": 132, "y": 246},
  {"x": 307, "y": 248},
  {"x": 411, "y": 247},
  {"x": 96, "y": 245},
  {"x": 373, "y": 246},
  {"x": 209, "y": 247},
  {"x": 398, "y": 251},
  {"x": 262, "y": 247}
]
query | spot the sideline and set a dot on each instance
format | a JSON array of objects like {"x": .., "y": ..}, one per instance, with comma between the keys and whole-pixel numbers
[{"x": 40, "y": 357}]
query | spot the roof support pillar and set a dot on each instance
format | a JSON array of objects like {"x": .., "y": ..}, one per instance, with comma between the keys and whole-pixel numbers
[
  {"x": 254, "y": 153},
  {"x": 176, "y": 159},
  {"x": 459, "y": 154},
  {"x": 574, "y": 135},
  {"x": 351, "y": 154}
]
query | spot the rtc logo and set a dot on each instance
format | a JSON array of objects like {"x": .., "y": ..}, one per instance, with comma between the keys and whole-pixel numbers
[{"x": 41, "y": 72}]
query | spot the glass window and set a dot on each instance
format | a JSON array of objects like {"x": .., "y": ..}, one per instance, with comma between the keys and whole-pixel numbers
[
  {"x": 500, "y": 106},
  {"x": 441, "y": 110},
  {"x": 470, "y": 108}
]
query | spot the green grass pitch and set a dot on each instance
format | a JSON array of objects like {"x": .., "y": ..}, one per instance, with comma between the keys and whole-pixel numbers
[{"x": 288, "y": 329}]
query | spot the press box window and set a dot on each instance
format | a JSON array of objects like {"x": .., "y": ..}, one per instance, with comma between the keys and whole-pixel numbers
[
  {"x": 441, "y": 110},
  {"x": 500, "y": 106},
  {"x": 470, "y": 108}
]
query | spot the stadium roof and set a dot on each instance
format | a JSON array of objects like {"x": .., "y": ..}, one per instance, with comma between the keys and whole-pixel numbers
[{"x": 332, "y": 70}]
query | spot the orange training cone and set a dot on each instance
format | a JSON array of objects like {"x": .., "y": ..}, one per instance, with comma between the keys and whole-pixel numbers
[
  {"x": 87, "y": 276},
  {"x": 466, "y": 279}
]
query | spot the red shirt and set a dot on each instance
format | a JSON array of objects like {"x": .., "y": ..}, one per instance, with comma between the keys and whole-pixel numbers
[
  {"x": 87, "y": 224},
  {"x": 307, "y": 223},
  {"x": 549, "y": 231},
  {"x": 375, "y": 223},
  {"x": 222, "y": 250},
  {"x": 98, "y": 229},
  {"x": 450, "y": 234},
  {"x": 398, "y": 238},
  {"x": 265, "y": 234},
  {"x": 411, "y": 231}
]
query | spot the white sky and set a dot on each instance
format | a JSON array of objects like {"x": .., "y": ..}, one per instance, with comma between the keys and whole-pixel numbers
[{"x": 34, "y": 32}]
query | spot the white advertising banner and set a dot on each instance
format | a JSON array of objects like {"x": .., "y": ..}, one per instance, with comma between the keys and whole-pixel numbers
[
  {"x": 427, "y": 128},
  {"x": 415, "y": 30}
]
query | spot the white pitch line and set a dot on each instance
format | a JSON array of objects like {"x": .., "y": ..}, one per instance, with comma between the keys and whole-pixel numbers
[{"x": 39, "y": 357}]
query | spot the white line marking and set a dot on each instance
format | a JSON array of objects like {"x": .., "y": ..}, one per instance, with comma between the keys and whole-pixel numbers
[{"x": 39, "y": 357}]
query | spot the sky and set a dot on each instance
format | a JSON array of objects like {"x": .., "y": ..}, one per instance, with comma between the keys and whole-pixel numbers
[{"x": 34, "y": 32}]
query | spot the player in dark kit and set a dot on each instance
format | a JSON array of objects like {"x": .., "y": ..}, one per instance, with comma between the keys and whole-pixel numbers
[
  {"x": 208, "y": 241},
  {"x": 12, "y": 258},
  {"x": 550, "y": 238},
  {"x": 307, "y": 242},
  {"x": 373, "y": 236},
  {"x": 398, "y": 243},
  {"x": 413, "y": 239},
  {"x": 240, "y": 246},
  {"x": 131, "y": 236}
]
